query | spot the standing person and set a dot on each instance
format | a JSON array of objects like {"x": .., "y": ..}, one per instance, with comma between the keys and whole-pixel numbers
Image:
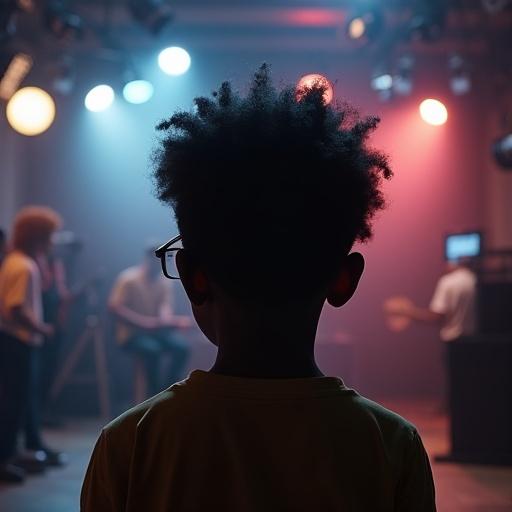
[
  {"x": 452, "y": 307},
  {"x": 55, "y": 296},
  {"x": 270, "y": 192},
  {"x": 141, "y": 301},
  {"x": 22, "y": 332}
]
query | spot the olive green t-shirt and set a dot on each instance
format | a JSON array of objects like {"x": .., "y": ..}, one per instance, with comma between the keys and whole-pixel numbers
[{"x": 219, "y": 443}]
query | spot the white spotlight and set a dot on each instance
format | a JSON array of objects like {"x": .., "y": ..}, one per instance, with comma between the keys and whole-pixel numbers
[
  {"x": 174, "y": 61},
  {"x": 99, "y": 98},
  {"x": 433, "y": 112},
  {"x": 138, "y": 91}
]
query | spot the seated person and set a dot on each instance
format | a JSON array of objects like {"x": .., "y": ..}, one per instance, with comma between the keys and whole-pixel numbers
[
  {"x": 270, "y": 192},
  {"x": 141, "y": 301}
]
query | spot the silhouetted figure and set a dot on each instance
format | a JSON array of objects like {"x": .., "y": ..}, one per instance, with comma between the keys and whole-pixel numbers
[
  {"x": 270, "y": 193},
  {"x": 141, "y": 301},
  {"x": 3, "y": 245},
  {"x": 22, "y": 333}
]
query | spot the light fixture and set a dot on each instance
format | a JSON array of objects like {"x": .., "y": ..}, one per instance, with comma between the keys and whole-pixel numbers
[
  {"x": 17, "y": 69},
  {"x": 63, "y": 74},
  {"x": 382, "y": 83},
  {"x": 364, "y": 26},
  {"x": 309, "y": 81},
  {"x": 402, "y": 81},
  {"x": 502, "y": 151},
  {"x": 138, "y": 91},
  {"x": 153, "y": 14},
  {"x": 30, "y": 111},
  {"x": 433, "y": 112},
  {"x": 494, "y": 6},
  {"x": 99, "y": 98},
  {"x": 62, "y": 23},
  {"x": 460, "y": 80},
  {"x": 7, "y": 21},
  {"x": 174, "y": 60},
  {"x": 428, "y": 20}
]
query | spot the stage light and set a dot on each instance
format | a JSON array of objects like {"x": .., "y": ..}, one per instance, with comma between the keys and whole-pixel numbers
[
  {"x": 7, "y": 21},
  {"x": 502, "y": 150},
  {"x": 138, "y": 91},
  {"x": 30, "y": 111},
  {"x": 63, "y": 74},
  {"x": 494, "y": 6},
  {"x": 433, "y": 112},
  {"x": 356, "y": 28},
  {"x": 402, "y": 81},
  {"x": 460, "y": 84},
  {"x": 428, "y": 20},
  {"x": 364, "y": 27},
  {"x": 62, "y": 23},
  {"x": 460, "y": 81},
  {"x": 153, "y": 14},
  {"x": 308, "y": 81},
  {"x": 99, "y": 98},
  {"x": 17, "y": 69},
  {"x": 402, "y": 85},
  {"x": 382, "y": 82},
  {"x": 174, "y": 61}
]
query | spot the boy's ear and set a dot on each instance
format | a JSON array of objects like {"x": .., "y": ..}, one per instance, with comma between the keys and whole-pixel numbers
[
  {"x": 345, "y": 284},
  {"x": 194, "y": 279}
]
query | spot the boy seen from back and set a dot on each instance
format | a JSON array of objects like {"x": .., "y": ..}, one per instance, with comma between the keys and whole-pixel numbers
[{"x": 270, "y": 192}]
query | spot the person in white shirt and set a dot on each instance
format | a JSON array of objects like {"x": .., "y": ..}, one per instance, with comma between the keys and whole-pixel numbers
[
  {"x": 22, "y": 330},
  {"x": 452, "y": 306}
]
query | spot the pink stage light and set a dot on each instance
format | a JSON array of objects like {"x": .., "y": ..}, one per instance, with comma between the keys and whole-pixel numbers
[
  {"x": 308, "y": 81},
  {"x": 433, "y": 112}
]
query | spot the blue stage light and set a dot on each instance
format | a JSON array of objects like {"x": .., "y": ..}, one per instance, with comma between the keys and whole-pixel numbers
[
  {"x": 99, "y": 98},
  {"x": 138, "y": 91},
  {"x": 174, "y": 61}
]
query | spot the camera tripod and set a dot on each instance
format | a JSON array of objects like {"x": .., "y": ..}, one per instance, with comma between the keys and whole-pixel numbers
[{"x": 92, "y": 336}]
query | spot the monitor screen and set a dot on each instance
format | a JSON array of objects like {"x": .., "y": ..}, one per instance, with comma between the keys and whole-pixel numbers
[{"x": 463, "y": 245}]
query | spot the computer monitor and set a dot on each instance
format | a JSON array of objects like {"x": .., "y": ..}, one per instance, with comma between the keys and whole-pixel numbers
[{"x": 462, "y": 245}]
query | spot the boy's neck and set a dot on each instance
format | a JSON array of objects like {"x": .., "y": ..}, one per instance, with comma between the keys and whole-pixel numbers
[
  {"x": 271, "y": 346},
  {"x": 273, "y": 368}
]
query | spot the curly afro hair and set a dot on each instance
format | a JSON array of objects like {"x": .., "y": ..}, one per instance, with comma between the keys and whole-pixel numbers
[
  {"x": 34, "y": 225},
  {"x": 271, "y": 190}
]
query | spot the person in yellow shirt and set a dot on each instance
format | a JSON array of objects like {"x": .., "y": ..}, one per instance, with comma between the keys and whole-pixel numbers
[
  {"x": 22, "y": 332},
  {"x": 270, "y": 192}
]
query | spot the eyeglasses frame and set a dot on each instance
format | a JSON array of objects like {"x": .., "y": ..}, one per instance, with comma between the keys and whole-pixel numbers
[{"x": 161, "y": 252}]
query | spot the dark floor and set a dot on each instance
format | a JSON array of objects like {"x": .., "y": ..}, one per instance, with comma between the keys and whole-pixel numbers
[{"x": 459, "y": 488}]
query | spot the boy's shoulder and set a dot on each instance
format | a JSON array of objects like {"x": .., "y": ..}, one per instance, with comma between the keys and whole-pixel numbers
[
  {"x": 362, "y": 411},
  {"x": 387, "y": 420},
  {"x": 129, "y": 420}
]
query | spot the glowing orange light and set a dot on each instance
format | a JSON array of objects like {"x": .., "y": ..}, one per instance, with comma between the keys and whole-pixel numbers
[
  {"x": 309, "y": 81},
  {"x": 433, "y": 112},
  {"x": 356, "y": 28}
]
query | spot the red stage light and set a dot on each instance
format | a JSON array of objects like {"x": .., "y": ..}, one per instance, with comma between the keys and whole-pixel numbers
[
  {"x": 433, "y": 112},
  {"x": 308, "y": 81}
]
